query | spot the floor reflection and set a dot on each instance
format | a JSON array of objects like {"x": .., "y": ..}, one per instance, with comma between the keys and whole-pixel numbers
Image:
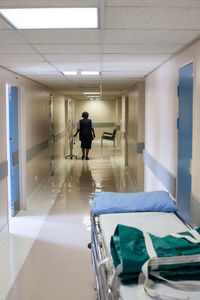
[
  {"x": 59, "y": 253},
  {"x": 86, "y": 181}
]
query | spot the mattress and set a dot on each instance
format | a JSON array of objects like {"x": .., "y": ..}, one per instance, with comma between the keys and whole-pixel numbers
[{"x": 157, "y": 223}]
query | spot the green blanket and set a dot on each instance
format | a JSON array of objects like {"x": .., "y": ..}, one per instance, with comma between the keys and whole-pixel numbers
[{"x": 174, "y": 257}]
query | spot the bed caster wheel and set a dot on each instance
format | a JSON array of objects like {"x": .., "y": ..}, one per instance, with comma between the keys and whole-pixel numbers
[{"x": 89, "y": 245}]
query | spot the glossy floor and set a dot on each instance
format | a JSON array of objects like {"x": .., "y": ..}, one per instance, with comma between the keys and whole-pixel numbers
[{"x": 45, "y": 257}]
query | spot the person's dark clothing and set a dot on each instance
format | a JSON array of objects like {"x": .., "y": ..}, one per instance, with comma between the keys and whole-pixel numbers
[{"x": 85, "y": 134}]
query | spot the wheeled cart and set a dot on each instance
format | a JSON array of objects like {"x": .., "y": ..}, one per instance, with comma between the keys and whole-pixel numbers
[{"x": 71, "y": 145}]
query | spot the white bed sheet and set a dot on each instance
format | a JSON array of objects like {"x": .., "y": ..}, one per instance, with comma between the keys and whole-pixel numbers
[{"x": 157, "y": 223}]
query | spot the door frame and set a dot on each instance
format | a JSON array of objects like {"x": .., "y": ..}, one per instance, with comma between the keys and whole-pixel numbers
[
  {"x": 126, "y": 129},
  {"x": 52, "y": 136},
  {"x": 22, "y": 147}
]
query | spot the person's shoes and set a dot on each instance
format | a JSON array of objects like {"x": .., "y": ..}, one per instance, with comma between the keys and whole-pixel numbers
[
  {"x": 83, "y": 157},
  {"x": 87, "y": 158}
]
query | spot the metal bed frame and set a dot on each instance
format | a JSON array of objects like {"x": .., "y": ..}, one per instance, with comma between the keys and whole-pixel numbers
[{"x": 105, "y": 290}]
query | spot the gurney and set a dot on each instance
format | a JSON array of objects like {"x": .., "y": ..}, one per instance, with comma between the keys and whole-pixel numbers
[{"x": 157, "y": 220}]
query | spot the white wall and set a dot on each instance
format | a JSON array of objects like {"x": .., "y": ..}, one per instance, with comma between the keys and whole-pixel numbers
[
  {"x": 59, "y": 127},
  {"x": 36, "y": 130},
  {"x": 99, "y": 111},
  {"x": 135, "y": 132},
  {"x": 161, "y": 108}
]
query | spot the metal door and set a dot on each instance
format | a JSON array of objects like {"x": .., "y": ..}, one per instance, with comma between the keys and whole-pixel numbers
[
  {"x": 184, "y": 125},
  {"x": 14, "y": 154}
]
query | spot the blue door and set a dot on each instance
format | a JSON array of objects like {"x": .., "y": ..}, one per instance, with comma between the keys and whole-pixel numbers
[
  {"x": 14, "y": 155},
  {"x": 185, "y": 140}
]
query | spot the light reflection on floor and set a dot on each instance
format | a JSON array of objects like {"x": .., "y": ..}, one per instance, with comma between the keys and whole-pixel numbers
[{"x": 46, "y": 253}]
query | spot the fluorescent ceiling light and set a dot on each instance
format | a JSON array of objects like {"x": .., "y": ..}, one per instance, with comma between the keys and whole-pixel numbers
[
  {"x": 91, "y": 93},
  {"x": 38, "y": 18},
  {"x": 93, "y": 96},
  {"x": 70, "y": 73},
  {"x": 78, "y": 72},
  {"x": 90, "y": 73}
]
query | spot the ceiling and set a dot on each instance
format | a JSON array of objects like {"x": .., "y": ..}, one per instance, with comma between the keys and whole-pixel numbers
[{"x": 135, "y": 36}]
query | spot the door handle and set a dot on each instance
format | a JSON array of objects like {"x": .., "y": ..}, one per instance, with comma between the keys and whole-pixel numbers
[{"x": 190, "y": 167}]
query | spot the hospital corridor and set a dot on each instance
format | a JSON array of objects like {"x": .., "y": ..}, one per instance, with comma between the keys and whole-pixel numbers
[
  {"x": 56, "y": 257},
  {"x": 99, "y": 149}
]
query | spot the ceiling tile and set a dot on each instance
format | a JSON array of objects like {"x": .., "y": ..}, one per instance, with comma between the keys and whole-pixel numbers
[
  {"x": 3, "y": 25},
  {"x": 9, "y": 37},
  {"x": 67, "y": 48},
  {"x": 149, "y": 36},
  {"x": 58, "y": 36},
  {"x": 141, "y": 48},
  {"x": 138, "y": 36},
  {"x": 152, "y": 18},
  {"x": 157, "y": 3},
  {"x": 119, "y": 75},
  {"x": 48, "y": 3},
  {"x": 129, "y": 66},
  {"x": 20, "y": 58},
  {"x": 130, "y": 58},
  {"x": 30, "y": 68},
  {"x": 16, "y": 49},
  {"x": 91, "y": 66},
  {"x": 73, "y": 58}
]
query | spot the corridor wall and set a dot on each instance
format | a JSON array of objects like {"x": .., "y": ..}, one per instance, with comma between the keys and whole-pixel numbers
[
  {"x": 59, "y": 128},
  {"x": 102, "y": 113},
  {"x": 119, "y": 120},
  {"x": 35, "y": 129},
  {"x": 161, "y": 112},
  {"x": 135, "y": 133},
  {"x": 37, "y": 132},
  {"x": 3, "y": 157}
]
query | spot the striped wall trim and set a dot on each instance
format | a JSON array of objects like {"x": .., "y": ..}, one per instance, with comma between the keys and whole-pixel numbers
[
  {"x": 3, "y": 170},
  {"x": 165, "y": 177},
  {"x": 104, "y": 124},
  {"x": 139, "y": 146},
  {"x": 194, "y": 210},
  {"x": 35, "y": 150},
  {"x": 59, "y": 135}
]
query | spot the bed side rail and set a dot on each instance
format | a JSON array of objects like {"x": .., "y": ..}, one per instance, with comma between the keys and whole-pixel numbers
[{"x": 104, "y": 291}]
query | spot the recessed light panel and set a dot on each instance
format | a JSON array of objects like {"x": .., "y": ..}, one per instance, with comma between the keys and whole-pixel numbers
[
  {"x": 41, "y": 18},
  {"x": 70, "y": 73},
  {"x": 91, "y": 93},
  {"x": 93, "y": 96},
  {"x": 90, "y": 73}
]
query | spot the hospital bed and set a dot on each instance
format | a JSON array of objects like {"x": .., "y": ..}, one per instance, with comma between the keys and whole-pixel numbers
[{"x": 156, "y": 220}]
